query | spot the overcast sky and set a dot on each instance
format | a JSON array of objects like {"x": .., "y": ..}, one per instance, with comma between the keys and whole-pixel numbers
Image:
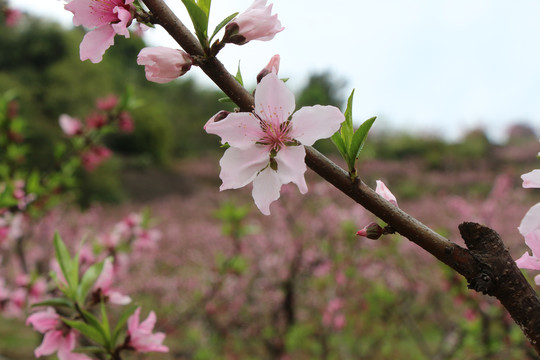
[{"x": 431, "y": 66}]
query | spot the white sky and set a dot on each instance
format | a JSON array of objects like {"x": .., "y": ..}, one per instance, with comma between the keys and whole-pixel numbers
[{"x": 432, "y": 66}]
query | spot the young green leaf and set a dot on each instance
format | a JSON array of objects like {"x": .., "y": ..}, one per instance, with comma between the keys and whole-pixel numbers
[
  {"x": 205, "y": 6},
  {"x": 87, "y": 330},
  {"x": 200, "y": 20},
  {"x": 66, "y": 264},
  {"x": 88, "y": 280},
  {"x": 338, "y": 141},
  {"x": 222, "y": 24},
  {"x": 105, "y": 321},
  {"x": 347, "y": 126},
  {"x": 238, "y": 75},
  {"x": 122, "y": 321},
  {"x": 55, "y": 302},
  {"x": 359, "y": 138}
]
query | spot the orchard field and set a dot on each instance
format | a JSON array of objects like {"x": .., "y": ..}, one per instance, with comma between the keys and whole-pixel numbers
[{"x": 225, "y": 281}]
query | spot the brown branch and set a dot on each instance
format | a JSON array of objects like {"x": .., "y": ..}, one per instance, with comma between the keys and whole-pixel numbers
[{"x": 487, "y": 265}]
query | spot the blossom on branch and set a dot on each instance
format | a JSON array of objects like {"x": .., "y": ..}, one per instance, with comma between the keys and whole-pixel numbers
[
  {"x": 267, "y": 147},
  {"x": 70, "y": 126},
  {"x": 256, "y": 23},
  {"x": 107, "y": 18},
  {"x": 140, "y": 334},
  {"x": 163, "y": 64},
  {"x": 383, "y": 190}
]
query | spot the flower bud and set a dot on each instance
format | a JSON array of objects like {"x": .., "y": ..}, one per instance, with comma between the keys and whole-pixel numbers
[
  {"x": 273, "y": 66},
  {"x": 256, "y": 23},
  {"x": 372, "y": 231},
  {"x": 70, "y": 126},
  {"x": 164, "y": 64}
]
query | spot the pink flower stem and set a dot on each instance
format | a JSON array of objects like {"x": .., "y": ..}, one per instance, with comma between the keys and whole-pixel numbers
[{"x": 515, "y": 293}]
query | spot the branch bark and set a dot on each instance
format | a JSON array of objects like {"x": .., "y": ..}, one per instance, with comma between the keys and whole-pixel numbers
[{"x": 486, "y": 264}]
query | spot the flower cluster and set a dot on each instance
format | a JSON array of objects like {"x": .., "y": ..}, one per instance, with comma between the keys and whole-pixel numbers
[
  {"x": 266, "y": 146},
  {"x": 530, "y": 228}
]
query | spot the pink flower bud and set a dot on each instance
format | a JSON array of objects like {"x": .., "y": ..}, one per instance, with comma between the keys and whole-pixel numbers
[
  {"x": 96, "y": 121},
  {"x": 107, "y": 103},
  {"x": 95, "y": 156},
  {"x": 164, "y": 64},
  {"x": 256, "y": 23},
  {"x": 382, "y": 190},
  {"x": 70, "y": 126},
  {"x": 12, "y": 17},
  {"x": 273, "y": 66},
  {"x": 125, "y": 122},
  {"x": 372, "y": 231}
]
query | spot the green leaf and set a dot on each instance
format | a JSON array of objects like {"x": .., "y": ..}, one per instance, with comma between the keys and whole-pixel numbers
[
  {"x": 88, "y": 280},
  {"x": 225, "y": 100},
  {"x": 340, "y": 144},
  {"x": 33, "y": 183},
  {"x": 200, "y": 20},
  {"x": 122, "y": 321},
  {"x": 105, "y": 321},
  {"x": 359, "y": 138},
  {"x": 87, "y": 330},
  {"x": 93, "y": 321},
  {"x": 205, "y": 6},
  {"x": 238, "y": 75},
  {"x": 68, "y": 267},
  {"x": 55, "y": 302},
  {"x": 347, "y": 129},
  {"x": 223, "y": 23}
]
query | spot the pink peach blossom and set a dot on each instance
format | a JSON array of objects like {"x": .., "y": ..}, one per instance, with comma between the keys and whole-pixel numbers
[
  {"x": 104, "y": 282},
  {"x": 163, "y": 64},
  {"x": 382, "y": 190},
  {"x": 256, "y": 23},
  {"x": 267, "y": 148},
  {"x": 125, "y": 122},
  {"x": 93, "y": 157},
  {"x": 107, "y": 18},
  {"x": 527, "y": 261},
  {"x": 12, "y": 17},
  {"x": 70, "y": 126},
  {"x": 107, "y": 103},
  {"x": 140, "y": 335}
]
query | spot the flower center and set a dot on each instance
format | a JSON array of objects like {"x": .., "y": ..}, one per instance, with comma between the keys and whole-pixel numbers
[{"x": 276, "y": 134}]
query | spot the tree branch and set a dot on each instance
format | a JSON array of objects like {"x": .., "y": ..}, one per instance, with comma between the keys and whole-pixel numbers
[{"x": 487, "y": 266}]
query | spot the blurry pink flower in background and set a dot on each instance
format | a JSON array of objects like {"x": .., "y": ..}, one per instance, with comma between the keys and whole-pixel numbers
[
  {"x": 147, "y": 239},
  {"x": 140, "y": 334},
  {"x": 96, "y": 121},
  {"x": 332, "y": 315},
  {"x": 125, "y": 122},
  {"x": 12, "y": 17},
  {"x": 93, "y": 157},
  {"x": 256, "y": 23},
  {"x": 382, "y": 190},
  {"x": 107, "y": 103},
  {"x": 265, "y": 146},
  {"x": 107, "y": 17},
  {"x": 163, "y": 64},
  {"x": 70, "y": 126},
  {"x": 55, "y": 339},
  {"x": 104, "y": 282}
]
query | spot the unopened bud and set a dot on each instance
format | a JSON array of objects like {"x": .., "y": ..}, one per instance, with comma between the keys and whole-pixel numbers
[
  {"x": 372, "y": 231},
  {"x": 273, "y": 66}
]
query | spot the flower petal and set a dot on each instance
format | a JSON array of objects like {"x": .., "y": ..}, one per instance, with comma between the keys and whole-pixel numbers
[
  {"x": 52, "y": 341},
  {"x": 385, "y": 192},
  {"x": 239, "y": 167},
  {"x": 292, "y": 166},
  {"x": 312, "y": 123},
  {"x": 241, "y": 130},
  {"x": 533, "y": 241},
  {"x": 273, "y": 101},
  {"x": 527, "y": 261},
  {"x": 266, "y": 188},
  {"x": 96, "y": 42},
  {"x": 531, "y": 221},
  {"x": 531, "y": 179},
  {"x": 125, "y": 18}
]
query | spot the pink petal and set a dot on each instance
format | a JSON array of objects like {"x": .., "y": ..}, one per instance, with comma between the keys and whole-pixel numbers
[
  {"x": 239, "y": 167},
  {"x": 292, "y": 166},
  {"x": 133, "y": 321},
  {"x": 273, "y": 101},
  {"x": 52, "y": 341},
  {"x": 312, "y": 123},
  {"x": 83, "y": 13},
  {"x": 70, "y": 126},
  {"x": 273, "y": 66},
  {"x": 533, "y": 241},
  {"x": 125, "y": 18},
  {"x": 382, "y": 190},
  {"x": 531, "y": 179},
  {"x": 148, "y": 324},
  {"x": 96, "y": 42},
  {"x": 537, "y": 277},
  {"x": 44, "y": 321},
  {"x": 527, "y": 261},
  {"x": 117, "y": 298},
  {"x": 266, "y": 188},
  {"x": 163, "y": 64},
  {"x": 531, "y": 221},
  {"x": 240, "y": 130}
]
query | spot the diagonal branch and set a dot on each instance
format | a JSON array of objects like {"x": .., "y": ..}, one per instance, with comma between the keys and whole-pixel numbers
[{"x": 486, "y": 265}]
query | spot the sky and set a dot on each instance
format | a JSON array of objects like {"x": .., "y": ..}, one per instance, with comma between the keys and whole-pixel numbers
[{"x": 441, "y": 67}]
